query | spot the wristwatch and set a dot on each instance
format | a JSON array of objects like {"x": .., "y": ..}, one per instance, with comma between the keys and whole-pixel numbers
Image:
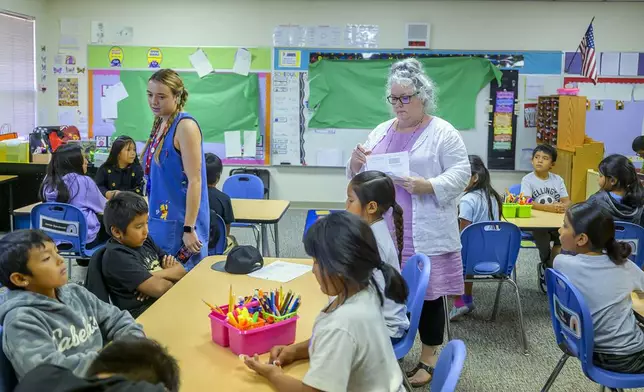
[{"x": 188, "y": 229}]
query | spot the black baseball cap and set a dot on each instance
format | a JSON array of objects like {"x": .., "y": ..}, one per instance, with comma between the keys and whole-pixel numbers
[{"x": 241, "y": 260}]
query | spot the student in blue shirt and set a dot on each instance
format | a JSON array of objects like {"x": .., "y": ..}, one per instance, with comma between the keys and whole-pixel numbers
[{"x": 479, "y": 203}]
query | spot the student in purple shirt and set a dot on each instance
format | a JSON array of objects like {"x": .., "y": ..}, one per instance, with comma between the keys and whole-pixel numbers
[{"x": 66, "y": 182}]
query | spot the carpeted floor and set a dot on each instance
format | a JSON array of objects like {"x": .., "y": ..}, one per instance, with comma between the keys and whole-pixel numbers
[{"x": 495, "y": 361}]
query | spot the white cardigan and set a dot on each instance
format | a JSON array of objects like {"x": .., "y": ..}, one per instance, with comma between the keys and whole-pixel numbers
[{"x": 439, "y": 155}]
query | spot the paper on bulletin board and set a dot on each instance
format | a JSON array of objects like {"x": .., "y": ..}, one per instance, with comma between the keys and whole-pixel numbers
[
  {"x": 250, "y": 144},
  {"x": 111, "y": 33},
  {"x": 609, "y": 64},
  {"x": 117, "y": 91},
  {"x": 69, "y": 33},
  {"x": 232, "y": 143},
  {"x": 201, "y": 64},
  {"x": 530, "y": 115},
  {"x": 67, "y": 91},
  {"x": 242, "y": 62},
  {"x": 534, "y": 87},
  {"x": 628, "y": 64},
  {"x": 109, "y": 107}
]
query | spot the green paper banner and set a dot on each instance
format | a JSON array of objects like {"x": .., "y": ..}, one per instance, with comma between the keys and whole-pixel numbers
[
  {"x": 137, "y": 57},
  {"x": 351, "y": 94},
  {"x": 219, "y": 102}
]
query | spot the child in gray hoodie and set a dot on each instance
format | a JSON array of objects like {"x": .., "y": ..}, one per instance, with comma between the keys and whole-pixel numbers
[{"x": 47, "y": 320}]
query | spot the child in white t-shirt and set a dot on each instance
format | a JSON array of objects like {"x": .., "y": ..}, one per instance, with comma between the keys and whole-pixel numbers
[
  {"x": 350, "y": 349},
  {"x": 370, "y": 195},
  {"x": 479, "y": 203}
]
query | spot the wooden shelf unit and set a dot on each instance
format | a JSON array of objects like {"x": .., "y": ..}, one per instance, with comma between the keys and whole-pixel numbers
[{"x": 561, "y": 121}]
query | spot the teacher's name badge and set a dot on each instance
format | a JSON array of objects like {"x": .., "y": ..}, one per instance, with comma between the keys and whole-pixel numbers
[{"x": 154, "y": 58}]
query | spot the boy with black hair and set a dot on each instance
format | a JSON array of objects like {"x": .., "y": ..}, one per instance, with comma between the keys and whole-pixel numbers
[
  {"x": 219, "y": 201},
  {"x": 638, "y": 146},
  {"x": 135, "y": 269},
  {"x": 133, "y": 364},
  {"x": 548, "y": 193},
  {"x": 47, "y": 320}
]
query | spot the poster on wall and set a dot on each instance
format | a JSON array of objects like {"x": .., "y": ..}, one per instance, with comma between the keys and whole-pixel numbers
[
  {"x": 286, "y": 118},
  {"x": 67, "y": 91},
  {"x": 530, "y": 115},
  {"x": 503, "y": 112}
]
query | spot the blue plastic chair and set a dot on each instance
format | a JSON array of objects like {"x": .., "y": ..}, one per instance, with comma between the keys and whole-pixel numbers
[
  {"x": 515, "y": 190},
  {"x": 416, "y": 274},
  {"x": 634, "y": 235},
  {"x": 573, "y": 328},
  {"x": 490, "y": 252},
  {"x": 67, "y": 226},
  {"x": 245, "y": 186},
  {"x": 449, "y": 367},
  {"x": 8, "y": 379},
  {"x": 220, "y": 246},
  {"x": 314, "y": 215}
]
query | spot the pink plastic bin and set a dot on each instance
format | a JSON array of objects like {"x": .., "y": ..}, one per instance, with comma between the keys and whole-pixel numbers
[
  {"x": 261, "y": 340},
  {"x": 219, "y": 325}
]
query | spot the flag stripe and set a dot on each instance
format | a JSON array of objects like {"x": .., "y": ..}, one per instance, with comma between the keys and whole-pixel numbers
[{"x": 588, "y": 60}]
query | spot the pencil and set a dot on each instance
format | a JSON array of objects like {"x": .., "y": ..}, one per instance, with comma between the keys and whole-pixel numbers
[
  {"x": 214, "y": 308},
  {"x": 231, "y": 303}
]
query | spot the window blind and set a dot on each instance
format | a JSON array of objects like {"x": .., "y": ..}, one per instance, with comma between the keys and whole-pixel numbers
[{"x": 17, "y": 73}]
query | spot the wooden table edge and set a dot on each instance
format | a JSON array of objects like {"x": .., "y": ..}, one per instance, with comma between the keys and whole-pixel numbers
[
  {"x": 5, "y": 178},
  {"x": 266, "y": 221}
]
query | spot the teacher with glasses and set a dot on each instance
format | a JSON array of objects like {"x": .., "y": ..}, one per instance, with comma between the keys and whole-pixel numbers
[{"x": 439, "y": 172}]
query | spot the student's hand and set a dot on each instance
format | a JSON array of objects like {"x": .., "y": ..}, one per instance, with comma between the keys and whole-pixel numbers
[
  {"x": 192, "y": 242},
  {"x": 415, "y": 185},
  {"x": 358, "y": 158},
  {"x": 263, "y": 369},
  {"x": 282, "y": 355},
  {"x": 141, "y": 297},
  {"x": 110, "y": 194},
  {"x": 168, "y": 261},
  {"x": 559, "y": 208}
]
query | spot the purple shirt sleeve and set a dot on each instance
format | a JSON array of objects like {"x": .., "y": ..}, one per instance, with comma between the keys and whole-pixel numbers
[{"x": 87, "y": 195}]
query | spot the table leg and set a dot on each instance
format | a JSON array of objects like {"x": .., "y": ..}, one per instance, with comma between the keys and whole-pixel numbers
[
  {"x": 277, "y": 242},
  {"x": 265, "y": 251},
  {"x": 10, "y": 207}
]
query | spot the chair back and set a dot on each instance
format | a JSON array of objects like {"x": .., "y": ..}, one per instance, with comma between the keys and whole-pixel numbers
[
  {"x": 490, "y": 248},
  {"x": 634, "y": 235},
  {"x": 8, "y": 380},
  {"x": 416, "y": 274},
  {"x": 64, "y": 223},
  {"x": 570, "y": 316},
  {"x": 449, "y": 366},
  {"x": 95, "y": 281},
  {"x": 314, "y": 215},
  {"x": 244, "y": 186},
  {"x": 515, "y": 189},
  {"x": 220, "y": 245}
]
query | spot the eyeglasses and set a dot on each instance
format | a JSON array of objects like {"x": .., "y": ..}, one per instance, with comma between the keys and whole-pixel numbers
[{"x": 404, "y": 99}]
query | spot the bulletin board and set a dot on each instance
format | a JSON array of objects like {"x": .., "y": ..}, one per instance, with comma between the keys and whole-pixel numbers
[
  {"x": 221, "y": 101},
  {"x": 296, "y": 143}
]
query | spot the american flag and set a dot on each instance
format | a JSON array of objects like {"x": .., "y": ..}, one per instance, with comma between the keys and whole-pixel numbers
[{"x": 587, "y": 50}]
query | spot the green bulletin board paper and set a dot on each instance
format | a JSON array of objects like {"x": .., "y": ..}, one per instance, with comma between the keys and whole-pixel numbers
[
  {"x": 219, "y": 103},
  {"x": 175, "y": 57},
  {"x": 351, "y": 94}
]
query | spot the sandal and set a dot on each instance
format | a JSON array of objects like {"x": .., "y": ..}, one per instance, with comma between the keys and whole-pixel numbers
[{"x": 421, "y": 366}]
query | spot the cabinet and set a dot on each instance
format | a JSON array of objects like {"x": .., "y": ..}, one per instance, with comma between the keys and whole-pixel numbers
[
  {"x": 573, "y": 167},
  {"x": 561, "y": 121}
]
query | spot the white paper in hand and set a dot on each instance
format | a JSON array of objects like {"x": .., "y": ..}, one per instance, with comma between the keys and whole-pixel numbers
[
  {"x": 200, "y": 62},
  {"x": 395, "y": 165}
]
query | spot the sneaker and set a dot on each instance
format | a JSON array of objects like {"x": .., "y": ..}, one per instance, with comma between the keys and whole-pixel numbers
[{"x": 456, "y": 313}]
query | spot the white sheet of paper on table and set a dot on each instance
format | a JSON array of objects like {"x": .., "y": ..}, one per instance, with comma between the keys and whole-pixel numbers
[
  {"x": 250, "y": 144},
  {"x": 201, "y": 64},
  {"x": 242, "y": 62},
  {"x": 232, "y": 143},
  {"x": 281, "y": 271},
  {"x": 394, "y": 164}
]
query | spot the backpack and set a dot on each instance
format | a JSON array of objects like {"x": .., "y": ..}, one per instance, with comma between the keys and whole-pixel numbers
[{"x": 62, "y": 136}]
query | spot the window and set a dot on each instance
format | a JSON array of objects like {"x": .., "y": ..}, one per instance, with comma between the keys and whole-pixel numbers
[{"x": 17, "y": 73}]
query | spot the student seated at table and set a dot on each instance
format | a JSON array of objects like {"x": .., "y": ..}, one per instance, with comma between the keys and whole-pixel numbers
[
  {"x": 45, "y": 319},
  {"x": 135, "y": 270},
  {"x": 638, "y": 146},
  {"x": 122, "y": 170},
  {"x": 605, "y": 277},
  {"x": 67, "y": 182},
  {"x": 131, "y": 364},
  {"x": 479, "y": 203},
  {"x": 620, "y": 193},
  {"x": 220, "y": 203},
  {"x": 350, "y": 348},
  {"x": 549, "y": 193},
  {"x": 370, "y": 195}
]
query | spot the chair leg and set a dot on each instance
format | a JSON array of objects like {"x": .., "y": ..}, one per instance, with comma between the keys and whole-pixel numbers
[
  {"x": 524, "y": 338},
  {"x": 495, "y": 310},
  {"x": 257, "y": 236},
  {"x": 555, "y": 373},
  {"x": 448, "y": 325}
]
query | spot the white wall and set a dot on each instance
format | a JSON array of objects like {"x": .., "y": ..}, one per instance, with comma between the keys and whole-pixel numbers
[{"x": 481, "y": 25}]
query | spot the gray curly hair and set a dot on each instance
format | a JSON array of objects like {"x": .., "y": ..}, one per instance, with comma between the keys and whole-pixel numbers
[{"x": 409, "y": 72}]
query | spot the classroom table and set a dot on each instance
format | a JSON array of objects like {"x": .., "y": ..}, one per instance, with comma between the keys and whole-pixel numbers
[
  {"x": 179, "y": 320},
  {"x": 539, "y": 220},
  {"x": 8, "y": 180},
  {"x": 257, "y": 211},
  {"x": 263, "y": 212}
]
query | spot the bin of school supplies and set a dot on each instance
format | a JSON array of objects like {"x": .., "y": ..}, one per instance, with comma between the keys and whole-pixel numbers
[
  {"x": 219, "y": 327},
  {"x": 276, "y": 319},
  {"x": 261, "y": 340},
  {"x": 524, "y": 211},
  {"x": 510, "y": 210}
]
